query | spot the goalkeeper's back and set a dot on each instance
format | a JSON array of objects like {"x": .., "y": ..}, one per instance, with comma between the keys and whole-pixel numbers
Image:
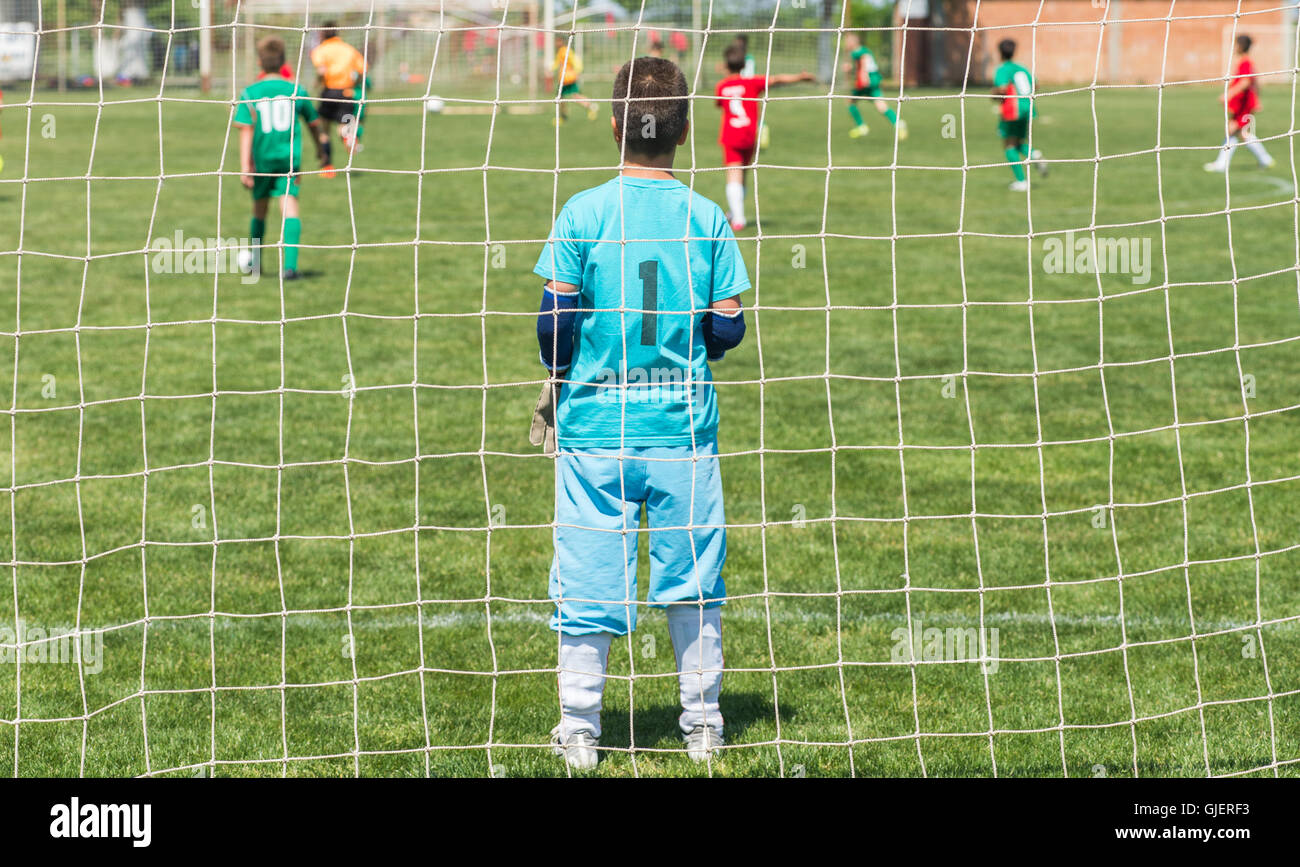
[{"x": 649, "y": 257}]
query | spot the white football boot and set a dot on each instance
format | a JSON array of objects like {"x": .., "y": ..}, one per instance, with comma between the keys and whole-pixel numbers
[
  {"x": 578, "y": 749},
  {"x": 702, "y": 742}
]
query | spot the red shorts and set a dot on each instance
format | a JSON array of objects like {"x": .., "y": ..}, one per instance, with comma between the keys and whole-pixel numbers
[
  {"x": 731, "y": 155},
  {"x": 1241, "y": 110}
]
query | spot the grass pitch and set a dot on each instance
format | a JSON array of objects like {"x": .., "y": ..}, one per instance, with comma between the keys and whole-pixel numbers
[{"x": 309, "y": 521}]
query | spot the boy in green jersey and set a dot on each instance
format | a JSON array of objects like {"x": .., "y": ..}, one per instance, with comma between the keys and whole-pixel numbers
[
  {"x": 865, "y": 74},
  {"x": 270, "y": 148},
  {"x": 1014, "y": 86}
]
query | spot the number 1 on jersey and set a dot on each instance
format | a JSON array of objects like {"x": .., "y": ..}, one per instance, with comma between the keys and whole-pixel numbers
[{"x": 649, "y": 271}]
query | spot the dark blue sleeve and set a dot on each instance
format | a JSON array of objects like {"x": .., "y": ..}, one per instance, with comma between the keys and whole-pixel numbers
[
  {"x": 555, "y": 329},
  {"x": 722, "y": 332}
]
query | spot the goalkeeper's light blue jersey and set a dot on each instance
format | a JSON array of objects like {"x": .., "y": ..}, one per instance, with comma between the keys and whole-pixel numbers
[{"x": 649, "y": 257}]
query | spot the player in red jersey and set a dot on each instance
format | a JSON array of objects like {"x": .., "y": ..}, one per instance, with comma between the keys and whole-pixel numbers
[
  {"x": 739, "y": 98},
  {"x": 1242, "y": 100}
]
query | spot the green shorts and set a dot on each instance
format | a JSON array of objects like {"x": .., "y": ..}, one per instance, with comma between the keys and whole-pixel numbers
[
  {"x": 1014, "y": 129},
  {"x": 276, "y": 181},
  {"x": 871, "y": 91},
  {"x": 569, "y": 89}
]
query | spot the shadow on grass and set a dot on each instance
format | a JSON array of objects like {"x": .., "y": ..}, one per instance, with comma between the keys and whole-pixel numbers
[{"x": 655, "y": 724}]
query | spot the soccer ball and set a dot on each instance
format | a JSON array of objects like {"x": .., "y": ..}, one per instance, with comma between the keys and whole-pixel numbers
[
  {"x": 247, "y": 259},
  {"x": 434, "y": 104}
]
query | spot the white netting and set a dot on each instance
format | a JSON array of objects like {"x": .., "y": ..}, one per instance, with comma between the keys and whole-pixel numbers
[{"x": 993, "y": 508}]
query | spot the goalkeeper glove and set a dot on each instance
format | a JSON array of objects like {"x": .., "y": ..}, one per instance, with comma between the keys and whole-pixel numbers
[{"x": 542, "y": 432}]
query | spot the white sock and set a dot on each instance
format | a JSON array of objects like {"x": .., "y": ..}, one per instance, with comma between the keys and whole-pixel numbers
[
  {"x": 736, "y": 201},
  {"x": 1225, "y": 156},
  {"x": 1257, "y": 148},
  {"x": 699, "y": 664},
  {"x": 582, "y": 680}
]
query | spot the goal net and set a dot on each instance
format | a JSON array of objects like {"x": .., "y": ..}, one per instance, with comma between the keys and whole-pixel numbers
[{"x": 1008, "y": 453}]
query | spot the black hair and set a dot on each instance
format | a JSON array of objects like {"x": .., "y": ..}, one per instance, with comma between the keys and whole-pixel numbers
[
  {"x": 734, "y": 57},
  {"x": 650, "y": 105},
  {"x": 331, "y": 29},
  {"x": 1243, "y": 43},
  {"x": 1007, "y": 48}
]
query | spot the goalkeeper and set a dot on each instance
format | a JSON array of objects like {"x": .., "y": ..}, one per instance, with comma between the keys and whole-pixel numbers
[
  {"x": 270, "y": 148},
  {"x": 641, "y": 277}
]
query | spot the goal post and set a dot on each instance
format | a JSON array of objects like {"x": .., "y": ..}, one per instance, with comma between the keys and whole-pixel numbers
[{"x": 205, "y": 45}]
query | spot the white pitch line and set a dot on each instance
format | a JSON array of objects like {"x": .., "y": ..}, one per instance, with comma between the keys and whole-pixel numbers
[
  {"x": 735, "y": 611},
  {"x": 1281, "y": 185}
]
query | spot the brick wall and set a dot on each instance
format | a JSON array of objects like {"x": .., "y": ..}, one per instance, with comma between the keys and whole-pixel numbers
[{"x": 1069, "y": 42}]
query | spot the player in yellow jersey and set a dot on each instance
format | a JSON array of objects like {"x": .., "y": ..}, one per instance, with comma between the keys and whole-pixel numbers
[
  {"x": 566, "y": 69},
  {"x": 342, "y": 73}
]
